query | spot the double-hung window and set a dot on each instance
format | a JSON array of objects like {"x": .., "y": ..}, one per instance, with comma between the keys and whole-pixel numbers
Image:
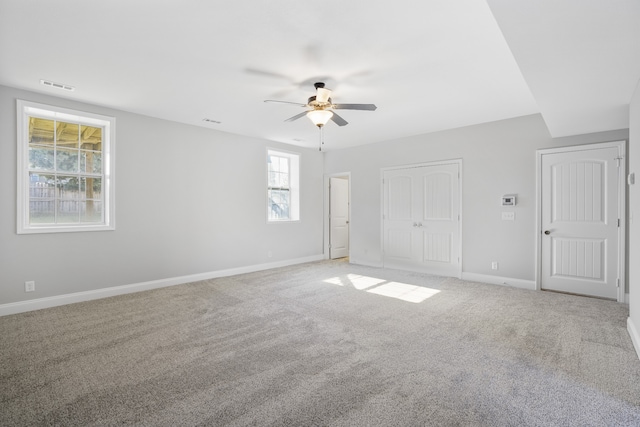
[
  {"x": 283, "y": 186},
  {"x": 65, "y": 170}
]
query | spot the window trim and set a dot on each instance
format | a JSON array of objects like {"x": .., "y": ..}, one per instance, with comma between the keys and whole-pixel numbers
[
  {"x": 26, "y": 109},
  {"x": 294, "y": 184}
]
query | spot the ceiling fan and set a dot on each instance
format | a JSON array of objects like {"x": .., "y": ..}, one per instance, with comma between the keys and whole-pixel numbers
[{"x": 321, "y": 108}]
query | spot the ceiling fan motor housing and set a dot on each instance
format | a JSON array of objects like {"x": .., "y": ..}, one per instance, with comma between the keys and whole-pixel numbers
[
  {"x": 318, "y": 105},
  {"x": 322, "y": 108}
]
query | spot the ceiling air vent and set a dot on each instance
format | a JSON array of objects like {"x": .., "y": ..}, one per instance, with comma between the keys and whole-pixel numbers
[
  {"x": 211, "y": 121},
  {"x": 57, "y": 85}
]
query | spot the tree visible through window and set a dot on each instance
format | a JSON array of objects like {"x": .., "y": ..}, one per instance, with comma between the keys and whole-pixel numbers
[
  {"x": 282, "y": 186},
  {"x": 64, "y": 179}
]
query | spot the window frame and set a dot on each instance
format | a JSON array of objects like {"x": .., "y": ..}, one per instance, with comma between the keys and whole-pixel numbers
[
  {"x": 27, "y": 109},
  {"x": 294, "y": 185}
]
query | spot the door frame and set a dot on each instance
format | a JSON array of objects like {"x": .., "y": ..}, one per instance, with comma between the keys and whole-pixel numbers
[
  {"x": 622, "y": 171},
  {"x": 419, "y": 165},
  {"x": 326, "y": 235}
]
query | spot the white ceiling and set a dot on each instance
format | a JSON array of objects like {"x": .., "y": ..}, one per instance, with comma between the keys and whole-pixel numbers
[{"x": 427, "y": 65}]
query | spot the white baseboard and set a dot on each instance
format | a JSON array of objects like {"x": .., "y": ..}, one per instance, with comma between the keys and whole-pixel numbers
[
  {"x": 499, "y": 280},
  {"x": 635, "y": 338},
  {"x": 357, "y": 261},
  {"x": 47, "y": 302}
]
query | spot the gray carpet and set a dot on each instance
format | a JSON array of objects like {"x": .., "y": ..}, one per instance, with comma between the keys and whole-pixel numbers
[{"x": 322, "y": 344}]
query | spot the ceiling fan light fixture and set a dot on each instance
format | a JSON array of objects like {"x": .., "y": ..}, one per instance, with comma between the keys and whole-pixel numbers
[
  {"x": 320, "y": 117},
  {"x": 322, "y": 95}
]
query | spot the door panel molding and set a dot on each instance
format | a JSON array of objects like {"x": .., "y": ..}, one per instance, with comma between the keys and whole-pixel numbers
[
  {"x": 326, "y": 239},
  {"x": 339, "y": 216},
  {"x": 575, "y": 182},
  {"x": 421, "y": 224}
]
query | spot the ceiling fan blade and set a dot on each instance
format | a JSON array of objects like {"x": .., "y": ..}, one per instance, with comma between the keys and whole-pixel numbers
[
  {"x": 339, "y": 120},
  {"x": 322, "y": 94},
  {"x": 297, "y": 116},
  {"x": 285, "y": 102},
  {"x": 266, "y": 73},
  {"x": 368, "y": 107}
]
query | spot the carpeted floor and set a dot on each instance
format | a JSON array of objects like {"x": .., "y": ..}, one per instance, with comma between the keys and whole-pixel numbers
[{"x": 322, "y": 344}]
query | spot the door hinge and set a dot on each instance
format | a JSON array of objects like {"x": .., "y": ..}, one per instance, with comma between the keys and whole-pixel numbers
[
  {"x": 618, "y": 282},
  {"x": 618, "y": 222}
]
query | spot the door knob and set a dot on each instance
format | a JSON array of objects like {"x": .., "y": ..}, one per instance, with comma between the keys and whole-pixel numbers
[{"x": 547, "y": 232}]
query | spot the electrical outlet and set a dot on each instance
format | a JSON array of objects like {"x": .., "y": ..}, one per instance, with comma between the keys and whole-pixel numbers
[
  {"x": 29, "y": 286},
  {"x": 508, "y": 216},
  {"x": 494, "y": 265}
]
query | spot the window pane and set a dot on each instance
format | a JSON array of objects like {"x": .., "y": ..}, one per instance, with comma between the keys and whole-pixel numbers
[
  {"x": 42, "y": 193},
  {"x": 41, "y": 158},
  {"x": 67, "y": 135},
  {"x": 91, "y": 138},
  {"x": 95, "y": 165},
  {"x": 40, "y": 131},
  {"x": 68, "y": 211},
  {"x": 278, "y": 180},
  {"x": 67, "y": 160},
  {"x": 69, "y": 187},
  {"x": 282, "y": 165},
  {"x": 91, "y": 162},
  {"x": 283, "y": 180},
  {"x": 279, "y": 204},
  {"x": 279, "y": 164},
  {"x": 90, "y": 188},
  {"x": 68, "y": 195},
  {"x": 278, "y": 172},
  {"x": 91, "y": 211}
]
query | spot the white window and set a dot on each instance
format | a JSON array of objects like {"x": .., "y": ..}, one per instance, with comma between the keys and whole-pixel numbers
[
  {"x": 65, "y": 170},
  {"x": 283, "y": 186}
]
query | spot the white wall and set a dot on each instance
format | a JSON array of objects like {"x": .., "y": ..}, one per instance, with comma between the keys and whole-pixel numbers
[
  {"x": 634, "y": 221},
  {"x": 189, "y": 200},
  {"x": 498, "y": 158}
]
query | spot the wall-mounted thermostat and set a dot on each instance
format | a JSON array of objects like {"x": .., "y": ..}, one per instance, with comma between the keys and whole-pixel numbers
[{"x": 509, "y": 200}]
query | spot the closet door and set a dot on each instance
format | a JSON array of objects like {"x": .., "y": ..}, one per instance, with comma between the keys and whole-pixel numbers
[
  {"x": 581, "y": 219},
  {"x": 421, "y": 219}
]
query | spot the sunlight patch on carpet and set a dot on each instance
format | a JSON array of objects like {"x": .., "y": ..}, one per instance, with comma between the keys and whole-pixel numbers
[
  {"x": 355, "y": 280},
  {"x": 405, "y": 292},
  {"x": 401, "y": 291}
]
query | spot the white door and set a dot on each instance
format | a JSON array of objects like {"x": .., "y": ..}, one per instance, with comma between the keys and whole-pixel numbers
[
  {"x": 338, "y": 218},
  {"x": 580, "y": 220},
  {"x": 421, "y": 219}
]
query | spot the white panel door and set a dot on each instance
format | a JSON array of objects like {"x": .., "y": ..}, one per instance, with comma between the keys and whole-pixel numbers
[
  {"x": 421, "y": 219},
  {"x": 399, "y": 232},
  {"x": 338, "y": 218},
  {"x": 580, "y": 222}
]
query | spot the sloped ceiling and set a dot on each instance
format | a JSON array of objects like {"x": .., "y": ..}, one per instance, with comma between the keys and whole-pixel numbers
[
  {"x": 580, "y": 59},
  {"x": 428, "y": 66}
]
